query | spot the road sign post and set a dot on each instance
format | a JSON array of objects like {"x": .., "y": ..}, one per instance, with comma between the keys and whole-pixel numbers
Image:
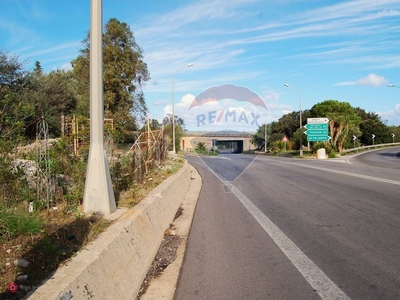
[{"x": 317, "y": 130}]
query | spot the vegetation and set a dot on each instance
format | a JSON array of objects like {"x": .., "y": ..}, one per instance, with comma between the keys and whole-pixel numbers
[
  {"x": 345, "y": 122},
  {"x": 341, "y": 117},
  {"x": 202, "y": 149},
  {"x": 48, "y": 234},
  {"x": 179, "y": 128},
  {"x": 125, "y": 73}
]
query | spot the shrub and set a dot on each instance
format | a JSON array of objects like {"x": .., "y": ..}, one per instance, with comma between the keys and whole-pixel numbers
[
  {"x": 14, "y": 223},
  {"x": 328, "y": 148}
]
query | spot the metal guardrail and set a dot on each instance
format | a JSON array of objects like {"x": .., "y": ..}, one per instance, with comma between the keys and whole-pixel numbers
[{"x": 371, "y": 147}]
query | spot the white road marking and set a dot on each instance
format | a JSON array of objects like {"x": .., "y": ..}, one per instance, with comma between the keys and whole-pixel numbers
[
  {"x": 345, "y": 173},
  {"x": 321, "y": 283}
]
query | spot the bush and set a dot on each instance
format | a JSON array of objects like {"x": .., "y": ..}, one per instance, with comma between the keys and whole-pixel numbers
[
  {"x": 201, "y": 146},
  {"x": 327, "y": 146},
  {"x": 14, "y": 223}
]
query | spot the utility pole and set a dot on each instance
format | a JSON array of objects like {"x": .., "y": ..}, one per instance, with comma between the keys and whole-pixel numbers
[{"x": 99, "y": 194}]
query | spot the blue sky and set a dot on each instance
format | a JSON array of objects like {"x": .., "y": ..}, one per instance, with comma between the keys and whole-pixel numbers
[{"x": 343, "y": 50}]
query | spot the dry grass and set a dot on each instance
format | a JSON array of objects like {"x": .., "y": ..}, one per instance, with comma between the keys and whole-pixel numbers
[{"x": 62, "y": 237}]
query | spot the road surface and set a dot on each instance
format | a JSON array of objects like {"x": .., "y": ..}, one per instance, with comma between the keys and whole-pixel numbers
[{"x": 283, "y": 228}]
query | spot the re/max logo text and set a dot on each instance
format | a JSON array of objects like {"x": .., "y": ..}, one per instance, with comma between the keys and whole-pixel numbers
[{"x": 226, "y": 116}]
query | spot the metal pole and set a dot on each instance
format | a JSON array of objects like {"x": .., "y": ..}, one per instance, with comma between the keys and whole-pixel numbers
[
  {"x": 265, "y": 137},
  {"x": 173, "y": 106},
  {"x": 301, "y": 121}
]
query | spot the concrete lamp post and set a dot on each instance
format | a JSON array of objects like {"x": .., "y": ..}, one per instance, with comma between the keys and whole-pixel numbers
[
  {"x": 173, "y": 105},
  {"x": 99, "y": 194},
  {"x": 301, "y": 121}
]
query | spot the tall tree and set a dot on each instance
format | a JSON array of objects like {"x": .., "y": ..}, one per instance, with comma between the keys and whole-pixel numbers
[
  {"x": 341, "y": 117},
  {"x": 124, "y": 72},
  {"x": 14, "y": 105},
  {"x": 289, "y": 123},
  {"x": 179, "y": 129},
  {"x": 52, "y": 95},
  {"x": 371, "y": 124}
]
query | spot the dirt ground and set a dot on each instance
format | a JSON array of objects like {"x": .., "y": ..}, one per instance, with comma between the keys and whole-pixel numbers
[{"x": 166, "y": 254}]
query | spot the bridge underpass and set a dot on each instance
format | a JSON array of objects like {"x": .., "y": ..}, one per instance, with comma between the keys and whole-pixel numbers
[
  {"x": 223, "y": 141},
  {"x": 229, "y": 146}
]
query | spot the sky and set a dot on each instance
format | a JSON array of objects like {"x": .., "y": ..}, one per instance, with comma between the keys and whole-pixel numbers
[{"x": 324, "y": 50}]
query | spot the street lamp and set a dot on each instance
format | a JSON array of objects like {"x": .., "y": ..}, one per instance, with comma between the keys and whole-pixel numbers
[
  {"x": 301, "y": 122},
  {"x": 173, "y": 106},
  {"x": 265, "y": 137},
  {"x": 392, "y": 85}
]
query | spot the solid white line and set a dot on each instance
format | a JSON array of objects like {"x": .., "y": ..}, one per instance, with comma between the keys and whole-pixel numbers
[
  {"x": 325, "y": 287},
  {"x": 346, "y": 173},
  {"x": 321, "y": 283}
]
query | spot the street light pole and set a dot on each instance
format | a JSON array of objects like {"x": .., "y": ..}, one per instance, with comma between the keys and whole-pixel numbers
[
  {"x": 98, "y": 194},
  {"x": 392, "y": 85},
  {"x": 173, "y": 106},
  {"x": 265, "y": 136},
  {"x": 301, "y": 121}
]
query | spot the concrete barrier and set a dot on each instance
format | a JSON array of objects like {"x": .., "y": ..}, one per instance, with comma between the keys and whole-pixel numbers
[{"x": 115, "y": 264}]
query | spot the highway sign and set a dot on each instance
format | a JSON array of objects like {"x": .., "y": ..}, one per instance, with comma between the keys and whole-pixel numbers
[
  {"x": 317, "y": 120},
  {"x": 317, "y": 126},
  {"x": 318, "y": 138},
  {"x": 316, "y": 132}
]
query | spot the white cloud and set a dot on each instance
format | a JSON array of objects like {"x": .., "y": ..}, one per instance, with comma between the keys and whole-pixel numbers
[
  {"x": 372, "y": 79},
  {"x": 345, "y": 83},
  {"x": 66, "y": 67}
]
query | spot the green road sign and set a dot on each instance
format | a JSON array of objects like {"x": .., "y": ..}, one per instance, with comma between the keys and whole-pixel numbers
[
  {"x": 317, "y": 126},
  {"x": 318, "y": 138},
  {"x": 316, "y": 132}
]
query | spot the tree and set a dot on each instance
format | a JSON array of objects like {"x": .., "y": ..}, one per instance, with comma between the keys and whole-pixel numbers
[
  {"x": 153, "y": 124},
  {"x": 396, "y": 131},
  {"x": 258, "y": 139},
  {"x": 371, "y": 124},
  {"x": 179, "y": 128},
  {"x": 124, "y": 73},
  {"x": 14, "y": 105},
  {"x": 289, "y": 123},
  {"x": 52, "y": 95},
  {"x": 341, "y": 117}
]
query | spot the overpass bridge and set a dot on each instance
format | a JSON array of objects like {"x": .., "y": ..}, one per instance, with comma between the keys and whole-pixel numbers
[{"x": 232, "y": 141}]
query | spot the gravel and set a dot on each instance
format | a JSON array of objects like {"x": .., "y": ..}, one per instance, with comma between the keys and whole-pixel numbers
[{"x": 166, "y": 254}]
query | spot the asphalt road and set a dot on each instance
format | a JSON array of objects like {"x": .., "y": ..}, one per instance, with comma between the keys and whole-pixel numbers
[{"x": 282, "y": 228}]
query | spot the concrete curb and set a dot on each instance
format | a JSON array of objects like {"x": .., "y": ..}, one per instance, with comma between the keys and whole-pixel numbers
[
  {"x": 115, "y": 264},
  {"x": 163, "y": 287}
]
